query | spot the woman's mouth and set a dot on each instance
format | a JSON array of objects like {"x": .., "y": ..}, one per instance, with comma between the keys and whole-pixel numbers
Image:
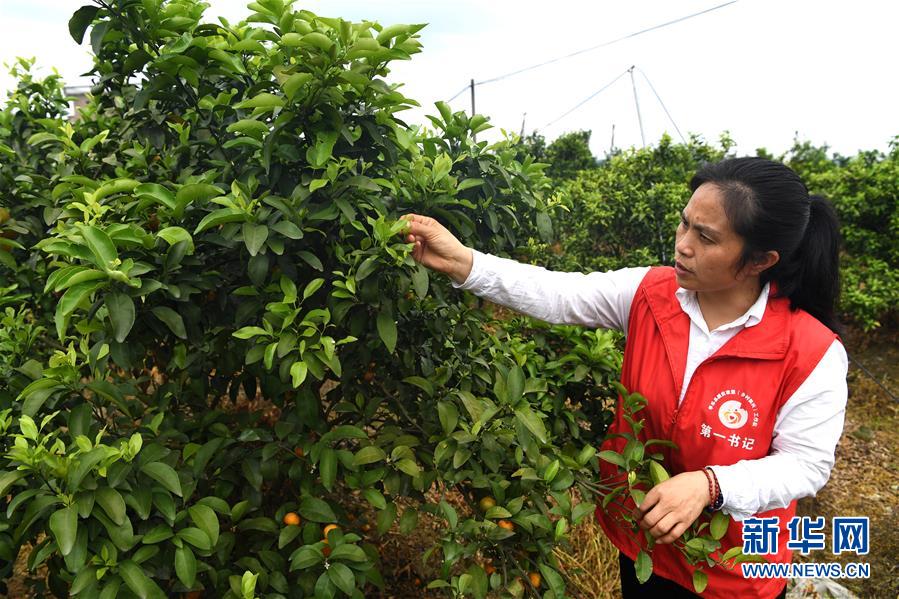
[{"x": 680, "y": 269}]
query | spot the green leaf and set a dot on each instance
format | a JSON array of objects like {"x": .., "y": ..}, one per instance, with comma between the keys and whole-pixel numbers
[
  {"x": 35, "y": 394},
  {"x": 197, "y": 537},
  {"x": 293, "y": 84},
  {"x": 287, "y": 229},
  {"x": 220, "y": 217},
  {"x": 174, "y": 235},
  {"x": 612, "y": 457},
  {"x": 445, "y": 111},
  {"x": 311, "y": 287},
  {"x": 533, "y": 423},
  {"x": 112, "y": 503},
  {"x": 250, "y": 128},
  {"x": 422, "y": 383},
  {"x": 320, "y": 153},
  {"x": 385, "y": 518},
  {"x": 100, "y": 245},
  {"x": 194, "y": 193},
  {"x": 316, "y": 510},
  {"x": 254, "y": 237},
  {"x": 327, "y": 465},
  {"x": 448, "y": 415},
  {"x": 171, "y": 319},
  {"x": 719, "y": 525},
  {"x": 515, "y": 384},
  {"x": 80, "y": 21},
  {"x": 469, "y": 183},
  {"x": 420, "y": 281},
  {"x": 287, "y": 535},
  {"x": 700, "y": 580},
  {"x": 553, "y": 579},
  {"x": 311, "y": 259},
  {"x": 206, "y": 520},
  {"x": 387, "y": 329},
  {"x": 643, "y": 566},
  {"x": 318, "y": 40},
  {"x": 375, "y": 497},
  {"x": 138, "y": 582},
  {"x": 121, "y": 314},
  {"x": 157, "y": 193},
  {"x": 348, "y": 552},
  {"x": 164, "y": 475},
  {"x": 342, "y": 578},
  {"x": 186, "y": 565},
  {"x": 408, "y": 466},
  {"x": 306, "y": 557},
  {"x": 64, "y": 525},
  {"x": 75, "y": 295},
  {"x": 298, "y": 372},
  {"x": 263, "y": 100},
  {"x": 369, "y": 455},
  {"x": 8, "y": 479}
]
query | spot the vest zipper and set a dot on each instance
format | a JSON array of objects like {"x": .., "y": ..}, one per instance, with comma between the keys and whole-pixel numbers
[{"x": 711, "y": 358}]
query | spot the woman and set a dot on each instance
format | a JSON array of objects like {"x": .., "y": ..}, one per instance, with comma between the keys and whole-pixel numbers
[{"x": 736, "y": 349}]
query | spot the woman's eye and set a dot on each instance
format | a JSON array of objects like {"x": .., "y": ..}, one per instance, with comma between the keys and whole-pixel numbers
[{"x": 705, "y": 239}]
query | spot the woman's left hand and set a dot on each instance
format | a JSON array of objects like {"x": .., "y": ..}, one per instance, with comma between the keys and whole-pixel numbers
[{"x": 672, "y": 506}]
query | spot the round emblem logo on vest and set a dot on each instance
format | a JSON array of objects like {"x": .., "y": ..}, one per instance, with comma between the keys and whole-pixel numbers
[{"x": 732, "y": 414}]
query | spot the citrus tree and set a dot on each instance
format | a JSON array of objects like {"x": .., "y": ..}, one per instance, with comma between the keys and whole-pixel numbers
[{"x": 221, "y": 223}]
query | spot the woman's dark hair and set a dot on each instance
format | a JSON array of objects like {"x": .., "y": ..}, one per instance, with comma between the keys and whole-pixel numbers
[{"x": 769, "y": 206}]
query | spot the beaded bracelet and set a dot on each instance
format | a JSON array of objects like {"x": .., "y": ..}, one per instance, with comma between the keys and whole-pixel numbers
[
  {"x": 711, "y": 486},
  {"x": 718, "y": 500}
]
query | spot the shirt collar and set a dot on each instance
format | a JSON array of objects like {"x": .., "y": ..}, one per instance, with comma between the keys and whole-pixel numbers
[{"x": 690, "y": 304}]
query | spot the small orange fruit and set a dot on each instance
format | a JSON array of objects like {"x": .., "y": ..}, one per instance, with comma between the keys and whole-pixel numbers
[
  {"x": 489, "y": 568},
  {"x": 506, "y": 524},
  {"x": 328, "y": 529},
  {"x": 486, "y": 503},
  {"x": 291, "y": 519},
  {"x": 299, "y": 452},
  {"x": 326, "y": 550},
  {"x": 369, "y": 376},
  {"x": 535, "y": 579}
]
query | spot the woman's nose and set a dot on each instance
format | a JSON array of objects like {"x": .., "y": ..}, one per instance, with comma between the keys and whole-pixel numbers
[{"x": 682, "y": 247}]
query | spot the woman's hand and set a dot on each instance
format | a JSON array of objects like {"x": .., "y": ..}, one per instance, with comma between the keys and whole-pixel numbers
[
  {"x": 437, "y": 248},
  {"x": 672, "y": 506}
]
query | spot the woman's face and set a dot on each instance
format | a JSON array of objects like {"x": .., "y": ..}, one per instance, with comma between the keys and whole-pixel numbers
[{"x": 706, "y": 248}]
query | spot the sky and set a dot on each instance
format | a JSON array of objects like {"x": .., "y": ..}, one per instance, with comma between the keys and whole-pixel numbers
[{"x": 766, "y": 71}]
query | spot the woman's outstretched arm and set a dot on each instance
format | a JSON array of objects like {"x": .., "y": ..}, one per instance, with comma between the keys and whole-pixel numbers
[{"x": 598, "y": 299}]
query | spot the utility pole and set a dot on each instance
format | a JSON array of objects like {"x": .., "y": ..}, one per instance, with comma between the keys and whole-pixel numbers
[
  {"x": 522, "y": 125},
  {"x": 637, "y": 103},
  {"x": 474, "y": 136},
  {"x": 612, "y": 145}
]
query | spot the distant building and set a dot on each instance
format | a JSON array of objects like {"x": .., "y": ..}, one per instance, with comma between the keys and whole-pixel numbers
[{"x": 78, "y": 93}]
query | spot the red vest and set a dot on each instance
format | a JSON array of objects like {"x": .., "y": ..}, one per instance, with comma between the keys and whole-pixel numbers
[{"x": 727, "y": 414}]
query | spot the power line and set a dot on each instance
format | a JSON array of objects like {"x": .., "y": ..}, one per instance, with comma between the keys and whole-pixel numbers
[
  {"x": 676, "y": 128},
  {"x": 591, "y": 48},
  {"x": 588, "y": 98}
]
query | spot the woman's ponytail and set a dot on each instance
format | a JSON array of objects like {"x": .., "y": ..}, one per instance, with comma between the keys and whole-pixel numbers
[
  {"x": 815, "y": 284},
  {"x": 769, "y": 206}
]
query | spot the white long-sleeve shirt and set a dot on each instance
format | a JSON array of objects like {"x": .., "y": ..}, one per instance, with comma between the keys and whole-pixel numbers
[{"x": 807, "y": 427}]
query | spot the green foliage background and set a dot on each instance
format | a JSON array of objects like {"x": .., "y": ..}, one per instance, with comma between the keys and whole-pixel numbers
[{"x": 624, "y": 212}]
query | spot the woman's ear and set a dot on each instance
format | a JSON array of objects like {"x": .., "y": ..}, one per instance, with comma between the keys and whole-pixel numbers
[{"x": 763, "y": 262}]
